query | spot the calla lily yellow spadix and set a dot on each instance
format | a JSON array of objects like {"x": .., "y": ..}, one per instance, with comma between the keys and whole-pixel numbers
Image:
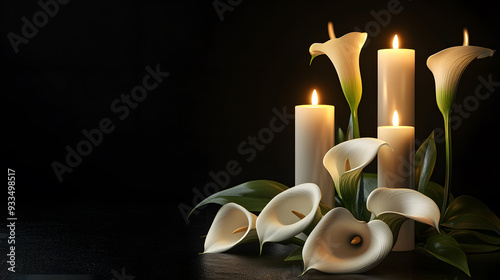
[
  {"x": 289, "y": 213},
  {"x": 344, "y": 54},
  {"x": 330, "y": 247},
  {"x": 232, "y": 225}
]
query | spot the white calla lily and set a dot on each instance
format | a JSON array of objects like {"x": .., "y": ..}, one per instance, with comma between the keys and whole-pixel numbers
[
  {"x": 447, "y": 67},
  {"x": 342, "y": 244},
  {"x": 289, "y": 213},
  {"x": 350, "y": 157},
  {"x": 406, "y": 202},
  {"x": 344, "y": 54},
  {"x": 232, "y": 225}
]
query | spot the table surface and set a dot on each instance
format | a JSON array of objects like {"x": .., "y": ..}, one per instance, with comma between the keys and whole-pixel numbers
[{"x": 125, "y": 242}]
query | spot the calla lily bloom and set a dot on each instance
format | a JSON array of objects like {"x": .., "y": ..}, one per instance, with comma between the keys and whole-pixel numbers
[
  {"x": 406, "y": 202},
  {"x": 342, "y": 244},
  {"x": 289, "y": 213},
  {"x": 344, "y": 53},
  {"x": 447, "y": 67},
  {"x": 232, "y": 225},
  {"x": 349, "y": 158}
]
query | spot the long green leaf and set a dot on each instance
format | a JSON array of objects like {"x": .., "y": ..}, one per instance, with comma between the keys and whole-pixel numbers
[
  {"x": 349, "y": 185},
  {"x": 394, "y": 221},
  {"x": 367, "y": 184},
  {"x": 339, "y": 136},
  {"x": 296, "y": 255},
  {"x": 435, "y": 192},
  {"x": 476, "y": 242},
  {"x": 424, "y": 162},
  {"x": 447, "y": 249},
  {"x": 253, "y": 195},
  {"x": 467, "y": 212}
]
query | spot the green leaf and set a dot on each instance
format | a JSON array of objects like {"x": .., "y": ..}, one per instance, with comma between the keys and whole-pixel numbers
[
  {"x": 467, "y": 212},
  {"x": 424, "y": 162},
  {"x": 447, "y": 249},
  {"x": 296, "y": 255},
  {"x": 338, "y": 201},
  {"x": 349, "y": 185},
  {"x": 394, "y": 221},
  {"x": 435, "y": 192},
  {"x": 472, "y": 236},
  {"x": 367, "y": 184},
  {"x": 339, "y": 137},
  {"x": 476, "y": 242},
  {"x": 252, "y": 195}
]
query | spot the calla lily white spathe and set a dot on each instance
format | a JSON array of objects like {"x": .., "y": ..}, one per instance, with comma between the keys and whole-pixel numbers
[
  {"x": 447, "y": 67},
  {"x": 406, "y": 202},
  {"x": 329, "y": 247},
  {"x": 341, "y": 244},
  {"x": 281, "y": 220},
  {"x": 232, "y": 225},
  {"x": 344, "y": 54},
  {"x": 358, "y": 152}
]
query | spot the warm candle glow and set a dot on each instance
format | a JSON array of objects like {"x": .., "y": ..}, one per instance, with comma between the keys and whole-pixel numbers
[
  {"x": 314, "y": 98},
  {"x": 395, "y": 42},
  {"x": 466, "y": 37},
  {"x": 395, "y": 119}
]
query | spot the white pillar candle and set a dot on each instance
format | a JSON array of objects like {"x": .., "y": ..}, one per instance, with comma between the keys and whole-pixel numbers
[
  {"x": 395, "y": 170},
  {"x": 314, "y": 136},
  {"x": 396, "y": 91},
  {"x": 396, "y": 84}
]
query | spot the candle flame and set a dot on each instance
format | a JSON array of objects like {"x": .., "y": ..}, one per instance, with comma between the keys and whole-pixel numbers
[
  {"x": 314, "y": 98},
  {"x": 466, "y": 37},
  {"x": 331, "y": 33},
  {"x": 395, "y": 42},
  {"x": 395, "y": 119}
]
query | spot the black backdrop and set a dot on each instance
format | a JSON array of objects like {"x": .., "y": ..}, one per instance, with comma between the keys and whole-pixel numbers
[{"x": 231, "y": 65}]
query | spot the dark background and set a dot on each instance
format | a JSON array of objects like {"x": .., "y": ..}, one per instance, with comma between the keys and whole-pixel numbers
[{"x": 226, "y": 77}]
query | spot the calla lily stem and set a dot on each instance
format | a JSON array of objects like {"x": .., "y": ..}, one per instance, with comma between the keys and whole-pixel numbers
[
  {"x": 447, "y": 182},
  {"x": 355, "y": 123}
]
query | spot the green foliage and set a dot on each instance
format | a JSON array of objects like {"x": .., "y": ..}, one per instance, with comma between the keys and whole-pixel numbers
[
  {"x": 252, "y": 195},
  {"x": 447, "y": 249}
]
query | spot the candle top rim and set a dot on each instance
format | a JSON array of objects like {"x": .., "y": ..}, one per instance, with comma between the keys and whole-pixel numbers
[
  {"x": 310, "y": 105},
  {"x": 392, "y": 126},
  {"x": 398, "y": 49}
]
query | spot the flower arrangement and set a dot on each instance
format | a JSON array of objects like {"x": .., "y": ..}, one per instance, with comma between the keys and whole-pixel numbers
[{"x": 361, "y": 230}]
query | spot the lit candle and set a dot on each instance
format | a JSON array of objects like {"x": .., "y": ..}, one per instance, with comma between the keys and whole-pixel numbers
[
  {"x": 314, "y": 136},
  {"x": 396, "y": 84},
  {"x": 395, "y": 169}
]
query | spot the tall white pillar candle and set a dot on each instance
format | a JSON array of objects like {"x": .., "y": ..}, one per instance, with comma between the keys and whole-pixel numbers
[
  {"x": 396, "y": 91},
  {"x": 314, "y": 136}
]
